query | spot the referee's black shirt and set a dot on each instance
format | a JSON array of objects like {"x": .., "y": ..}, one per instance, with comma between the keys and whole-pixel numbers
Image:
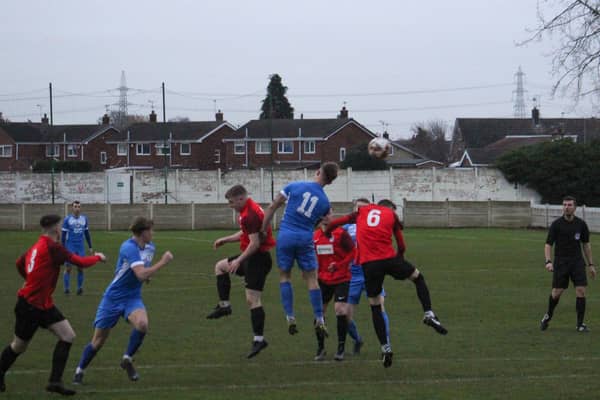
[{"x": 567, "y": 237}]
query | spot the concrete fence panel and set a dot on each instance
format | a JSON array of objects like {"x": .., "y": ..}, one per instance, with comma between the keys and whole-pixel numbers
[
  {"x": 11, "y": 216},
  {"x": 121, "y": 215},
  {"x": 464, "y": 214}
]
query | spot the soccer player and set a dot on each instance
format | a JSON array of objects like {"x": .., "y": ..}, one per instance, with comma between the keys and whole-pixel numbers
[
  {"x": 375, "y": 225},
  {"x": 307, "y": 203},
  {"x": 567, "y": 234},
  {"x": 334, "y": 253},
  {"x": 357, "y": 287},
  {"x": 123, "y": 297},
  {"x": 254, "y": 263},
  {"x": 75, "y": 227},
  {"x": 40, "y": 267}
]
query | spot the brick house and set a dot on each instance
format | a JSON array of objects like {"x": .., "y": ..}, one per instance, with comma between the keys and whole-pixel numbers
[
  {"x": 294, "y": 143},
  {"x": 194, "y": 144}
]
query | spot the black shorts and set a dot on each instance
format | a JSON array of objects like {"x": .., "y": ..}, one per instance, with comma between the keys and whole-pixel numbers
[
  {"x": 30, "y": 318},
  {"x": 568, "y": 268},
  {"x": 340, "y": 290},
  {"x": 254, "y": 269},
  {"x": 375, "y": 272}
]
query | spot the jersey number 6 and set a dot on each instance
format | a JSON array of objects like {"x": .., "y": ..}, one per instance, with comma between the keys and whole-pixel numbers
[{"x": 373, "y": 218}]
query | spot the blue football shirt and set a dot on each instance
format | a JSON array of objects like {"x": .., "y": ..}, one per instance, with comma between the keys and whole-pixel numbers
[
  {"x": 74, "y": 228},
  {"x": 307, "y": 203},
  {"x": 125, "y": 284}
]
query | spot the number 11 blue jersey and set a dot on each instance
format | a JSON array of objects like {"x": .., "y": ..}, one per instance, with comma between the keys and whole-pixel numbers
[{"x": 307, "y": 203}]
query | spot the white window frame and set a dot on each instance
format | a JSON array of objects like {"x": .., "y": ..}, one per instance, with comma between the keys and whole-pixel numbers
[
  {"x": 262, "y": 143},
  {"x": 185, "y": 153},
  {"x": 391, "y": 153},
  {"x": 236, "y": 147},
  {"x": 281, "y": 147},
  {"x": 307, "y": 147},
  {"x": 71, "y": 150},
  {"x": 103, "y": 157},
  {"x": 56, "y": 150},
  {"x": 6, "y": 151},
  {"x": 342, "y": 153},
  {"x": 121, "y": 149},
  {"x": 159, "y": 149},
  {"x": 142, "y": 146},
  {"x": 217, "y": 156}
]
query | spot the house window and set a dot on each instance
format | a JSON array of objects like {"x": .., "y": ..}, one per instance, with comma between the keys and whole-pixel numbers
[
  {"x": 239, "y": 147},
  {"x": 263, "y": 147},
  {"x": 217, "y": 156},
  {"x": 391, "y": 153},
  {"x": 185, "y": 149},
  {"x": 103, "y": 157},
  {"x": 342, "y": 153},
  {"x": 142, "y": 149},
  {"x": 6, "y": 151},
  {"x": 121, "y": 149},
  {"x": 52, "y": 150},
  {"x": 71, "y": 150},
  {"x": 162, "y": 149},
  {"x": 285, "y": 147},
  {"x": 309, "y": 147}
]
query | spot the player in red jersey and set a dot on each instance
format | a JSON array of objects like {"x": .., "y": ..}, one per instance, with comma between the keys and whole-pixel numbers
[
  {"x": 40, "y": 267},
  {"x": 334, "y": 251},
  {"x": 375, "y": 226},
  {"x": 254, "y": 263}
]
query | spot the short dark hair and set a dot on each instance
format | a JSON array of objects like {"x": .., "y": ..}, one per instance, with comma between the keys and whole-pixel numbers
[
  {"x": 362, "y": 200},
  {"x": 235, "y": 191},
  {"x": 570, "y": 198},
  {"x": 140, "y": 224},
  {"x": 48, "y": 221},
  {"x": 75, "y": 202},
  {"x": 387, "y": 203},
  {"x": 329, "y": 171}
]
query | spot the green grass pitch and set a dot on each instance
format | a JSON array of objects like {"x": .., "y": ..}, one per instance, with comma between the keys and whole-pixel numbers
[{"x": 488, "y": 287}]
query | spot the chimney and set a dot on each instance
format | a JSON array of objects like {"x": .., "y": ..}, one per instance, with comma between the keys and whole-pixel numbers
[
  {"x": 45, "y": 119},
  {"x": 301, "y": 115},
  {"x": 386, "y": 135},
  {"x": 343, "y": 113},
  {"x": 105, "y": 119},
  {"x": 535, "y": 116},
  {"x": 152, "y": 116},
  {"x": 219, "y": 116}
]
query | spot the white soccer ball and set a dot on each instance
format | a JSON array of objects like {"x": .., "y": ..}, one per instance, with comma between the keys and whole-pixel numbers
[{"x": 379, "y": 148}]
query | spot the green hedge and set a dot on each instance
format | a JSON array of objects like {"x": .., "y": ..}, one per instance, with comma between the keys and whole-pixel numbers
[{"x": 64, "y": 166}]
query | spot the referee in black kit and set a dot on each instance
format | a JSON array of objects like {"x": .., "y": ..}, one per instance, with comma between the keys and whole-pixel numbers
[{"x": 567, "y": 233}]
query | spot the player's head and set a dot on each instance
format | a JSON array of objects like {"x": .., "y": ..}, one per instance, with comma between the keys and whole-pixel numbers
[
  {"x": 362, "y": 201},
  {"x": 327, "y": 173},
  {"x": 387, "y": 203},
  {"x": 569, "y": 205},
  {"x": 237, "y": 196},
  {"x": 51, "y": 225},
  {"x": 76, "y": 206},
  {"x": 142, "y": 228}
]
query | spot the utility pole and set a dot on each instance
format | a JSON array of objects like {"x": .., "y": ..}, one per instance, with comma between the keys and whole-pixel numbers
[
  {"x": 164, "y": 107},
  {"x": 271, "y": 140},
  {"x": 51, "y": 113},
  {"x": 165, "y": 149},
  {"x": 52, "y": 142}
]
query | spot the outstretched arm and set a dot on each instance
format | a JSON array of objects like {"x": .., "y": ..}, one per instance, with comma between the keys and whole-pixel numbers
[
  {"x": 270, "y": 211},
  {"x": 346, "y": 219},
  {"x": 143, "y": 273},
  {"x": 227, "y": 239}
]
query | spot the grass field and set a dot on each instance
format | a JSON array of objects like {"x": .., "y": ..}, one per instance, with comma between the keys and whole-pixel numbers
[{"x": 488, "y": 287}]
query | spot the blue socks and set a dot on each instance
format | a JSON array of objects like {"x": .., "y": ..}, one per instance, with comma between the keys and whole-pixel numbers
[
  {"x": 353, "y": 331},
  {"x": 287, "y": 298},
  {"x": 316, "y": 300},
  {"x": 79, "y": 279},
  {"x": 67, "y": 281},
  {"x": 135, "y": 341},
  {"x": 87, "y": 356}
]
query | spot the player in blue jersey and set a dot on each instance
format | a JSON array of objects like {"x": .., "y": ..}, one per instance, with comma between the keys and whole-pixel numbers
[
  {"x": 75, "y": 227},
  {"x": 357, "y": 287},
  {"x": 307, "y": 203},
  {"x": 123, "y": 297}
]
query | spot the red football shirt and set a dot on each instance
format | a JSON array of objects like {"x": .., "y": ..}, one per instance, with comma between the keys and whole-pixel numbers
[
  {"x": 375, "y": 226},
  {"x": 337, "y": 248},
  {"x": 40, "y": 266},
  {"x": 250, "y": 219}
]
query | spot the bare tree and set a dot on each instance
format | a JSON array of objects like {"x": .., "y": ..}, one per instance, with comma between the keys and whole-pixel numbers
[
  {"x": 576, "y": 57},
  {"x": 430, "y": 139}
]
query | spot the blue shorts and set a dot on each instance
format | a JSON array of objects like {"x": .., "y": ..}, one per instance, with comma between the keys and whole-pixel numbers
[
  {"x": 357, "y": 287},
  {"x": 78, "y": 249},
  {"x": 109, "y": 311},
  {"x": 290, "y": 247}
]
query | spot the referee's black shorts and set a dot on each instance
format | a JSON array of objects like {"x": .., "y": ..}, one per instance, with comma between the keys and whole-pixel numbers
[
  {"x": 30, "y": 318},
  {"x": 375, "y": 272},
  {"x": 566, "y": 268},
  {"x": 255, "y": 269}
]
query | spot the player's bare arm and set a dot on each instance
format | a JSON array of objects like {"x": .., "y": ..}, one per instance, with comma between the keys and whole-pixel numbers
[
  {"x": 548, "y": 255},
  {"x": 227, "y": 239},
  {"x": 143, "y": 273},
  {"x": 270, "y": 211},
  {"x": 587, "y": 251}
]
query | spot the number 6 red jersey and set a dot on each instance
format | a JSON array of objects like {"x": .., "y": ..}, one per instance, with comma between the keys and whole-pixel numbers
[{"x": 375, "y": 226}]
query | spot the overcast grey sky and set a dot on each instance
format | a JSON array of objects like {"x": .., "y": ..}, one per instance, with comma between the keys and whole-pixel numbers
[{"x": 328, "y": 53}]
